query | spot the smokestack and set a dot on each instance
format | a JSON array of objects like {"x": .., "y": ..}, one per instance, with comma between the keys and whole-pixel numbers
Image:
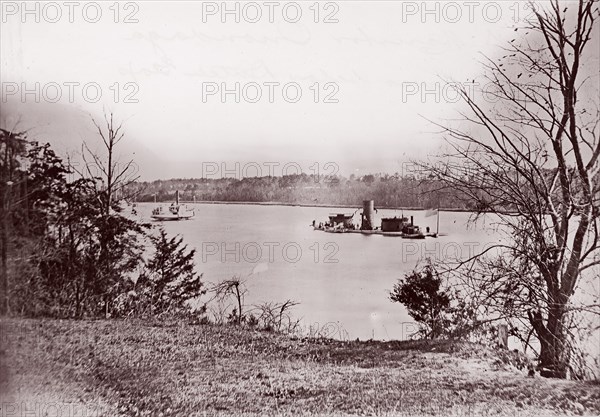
[
  {"x": 368, "y": 215},
  {"x": 412, "y": 223},
  {"x": 177, "y": 197}
]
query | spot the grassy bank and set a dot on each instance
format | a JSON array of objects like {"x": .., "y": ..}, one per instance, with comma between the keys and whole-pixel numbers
[{"x": 131, "y": 368}]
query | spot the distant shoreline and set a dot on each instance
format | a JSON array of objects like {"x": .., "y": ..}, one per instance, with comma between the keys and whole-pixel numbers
[{"x": 276, "y": 203}]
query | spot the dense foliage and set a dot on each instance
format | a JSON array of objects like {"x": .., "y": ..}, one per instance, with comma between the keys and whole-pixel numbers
[
  {"x": 427, "y": 303},
  {"x": 66, "y": 253},
  {"x": 168, "y": 282}
]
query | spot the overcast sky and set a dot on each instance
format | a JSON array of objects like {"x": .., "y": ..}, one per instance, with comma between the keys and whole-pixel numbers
[{"x": 371, "y": 61}]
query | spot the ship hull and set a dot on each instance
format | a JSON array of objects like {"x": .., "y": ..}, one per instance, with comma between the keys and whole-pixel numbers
[
  {"x": 377, "y": 232},
  {"x": 167, "y": 218}
]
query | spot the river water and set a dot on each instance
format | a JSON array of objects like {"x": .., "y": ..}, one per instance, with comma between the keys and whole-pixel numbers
[{"x": 342, "y": 281}]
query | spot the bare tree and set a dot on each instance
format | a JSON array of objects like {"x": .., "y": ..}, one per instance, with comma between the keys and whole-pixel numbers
[
  {"x": 115, "y": 233},
  {"x": 236, "y": 288},
  {"x": 277, "y": 316},
  {"x": 529, "y": 156},
  {"x": 113, "y": 176}
]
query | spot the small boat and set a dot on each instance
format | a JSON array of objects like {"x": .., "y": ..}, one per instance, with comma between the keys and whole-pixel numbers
[
  {"x": 412, "y": 231},
  {"x": 175, "y": 211}
]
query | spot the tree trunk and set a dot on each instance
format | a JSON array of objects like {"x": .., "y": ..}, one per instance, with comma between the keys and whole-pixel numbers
[
  {"x": 554, "y": 358},
  {"x": 554, "y": 347}
]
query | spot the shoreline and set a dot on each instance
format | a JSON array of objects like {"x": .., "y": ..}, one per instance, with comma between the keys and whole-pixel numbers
[{"x": 277, "y": 203}]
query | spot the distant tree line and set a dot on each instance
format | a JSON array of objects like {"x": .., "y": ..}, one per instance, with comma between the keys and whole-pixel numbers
[{"x": 387, "y": 190}]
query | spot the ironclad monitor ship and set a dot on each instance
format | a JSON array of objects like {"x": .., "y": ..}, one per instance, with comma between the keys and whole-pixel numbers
[{"x": 390, "y": 226}]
